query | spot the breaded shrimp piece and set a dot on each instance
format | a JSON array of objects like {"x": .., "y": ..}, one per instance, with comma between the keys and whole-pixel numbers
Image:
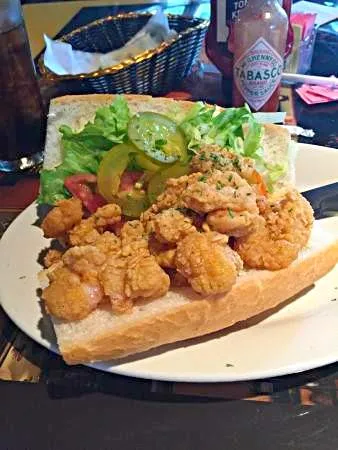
[
  {"x": 164, "y": 253},
  {"x": 213, "y": 157},
  {"x": 133, "y": 273},
  {"x": 68, "y": 298},
  {"x": 205, "y": 265},
  {"x": 113, "y": 281},
  {"x": 171, "y": 197},
  {"x": 108, "y": 243},
  {"x": 89, "y": 230},
  {"x": 233, "y": 223},
  {"x": 62, "y": 218},
  {"x": 86, "y": 261},
  {"x": 280, "y": 234},
  {"x": 134, "y": 239},
  {"x": 220, "y": 190},
  {"x": 52, "y": 257},
  {"x": 166, "y": 258},
  {"x": 170, "y": 226},
  {"x": 145, "y": 278}
]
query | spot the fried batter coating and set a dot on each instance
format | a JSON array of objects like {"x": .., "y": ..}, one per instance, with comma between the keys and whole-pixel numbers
[
  {"x": 62, "y": 218},
  {"x": 89, "y": 230},
  {"x": 107, "y": 215},
  {"x": 113, "y": 280},
  {"x": 134, "y": 239},
  {"x": 145, "y": 278},
  {"x": 280, "y": 234},
  {"x": 166, "y": 258},
  {"x": 220, "y": 190},
  {"x": 233, "y": 223},
  {"x": 172, "y": 196},
  {"x": 205, "y": 264},
  {"x": 52, "y": 257},
  {"x": 108, "y": 243},
  {"x": 85, "y": 261},
  {"x": 213, "y": 157},
  {"x": 68, "y": 298},
  {"x": 170, "y": 226}
]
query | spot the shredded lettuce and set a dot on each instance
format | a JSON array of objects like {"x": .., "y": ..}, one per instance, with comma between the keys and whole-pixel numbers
[
  {"x": 82, "y": 151},
  {"x": 207, "y": 125},
  {"x": 274, "y": 173},
  {"x": 234, "y": 128}
]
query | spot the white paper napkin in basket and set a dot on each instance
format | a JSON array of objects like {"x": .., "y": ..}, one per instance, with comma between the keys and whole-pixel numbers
[{"x": 61, "y": 59}]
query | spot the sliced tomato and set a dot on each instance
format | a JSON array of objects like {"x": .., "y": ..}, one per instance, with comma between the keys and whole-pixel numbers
[
  {"x": 77, "y": 185},
  {"x": 128, "y": 179}
]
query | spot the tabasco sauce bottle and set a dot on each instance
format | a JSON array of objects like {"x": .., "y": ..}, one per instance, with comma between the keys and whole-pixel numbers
[
  {"x": 220, "y": 45},
  {"x": 259, "y": 40}
]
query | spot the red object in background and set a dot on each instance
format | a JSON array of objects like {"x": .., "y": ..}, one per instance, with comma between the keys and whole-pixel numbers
[
  {"x": 219, "y": 38},
  {"x": 179, "y": 95}
]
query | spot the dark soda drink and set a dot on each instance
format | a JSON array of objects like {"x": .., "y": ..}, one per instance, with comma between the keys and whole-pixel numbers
[{"x": 21, "y": 107}]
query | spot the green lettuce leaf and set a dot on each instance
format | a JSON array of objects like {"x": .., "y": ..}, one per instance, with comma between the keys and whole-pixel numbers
[
  {"x": 234, "y": 128},
  {"x": 82, "y": 151},
  {"x": 207, "y": 125}
]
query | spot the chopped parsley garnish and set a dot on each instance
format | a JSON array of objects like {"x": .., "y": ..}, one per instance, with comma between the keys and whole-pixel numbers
[
  {"x": 230, "y": 178},
  {"x": 202, "y": 156},
  {"x": 290, "y": 210},
  {"x": 203, "y": 179},
  {"x": 214, "y": 157},
  {"x": 219, "y": 185},
  {"x": 230, "y": 212},
  {"x": 236, "y": 164}
]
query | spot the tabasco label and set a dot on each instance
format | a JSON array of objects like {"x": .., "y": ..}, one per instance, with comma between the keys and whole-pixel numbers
[{"x": 258, "y": 72}]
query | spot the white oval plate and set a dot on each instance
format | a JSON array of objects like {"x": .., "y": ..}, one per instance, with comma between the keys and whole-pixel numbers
[{"x": 301, "y": 336}]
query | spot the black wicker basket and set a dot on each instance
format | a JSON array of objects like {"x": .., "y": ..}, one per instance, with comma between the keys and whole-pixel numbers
[{"x": 155, "y": 72}]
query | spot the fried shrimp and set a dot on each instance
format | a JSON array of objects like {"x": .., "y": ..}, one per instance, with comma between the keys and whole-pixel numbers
[
  {"x": 68, "y": 297},
  {"x": 52, "y": 257},
  {"x": 205, "y": 265},
  {"x": 62, "y": 218},
  {"x": 213, "y": 157},
  {"x": 219, "y": 190},
  {"x": 170, "y": 226},
  {"x": 233, "y": 223},
  {"x": 88, "y": 230},
  {"x": 280, "y": 234}
]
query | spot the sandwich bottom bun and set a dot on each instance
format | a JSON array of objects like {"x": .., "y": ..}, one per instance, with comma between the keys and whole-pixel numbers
[{"x": 182, "y": 314}]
